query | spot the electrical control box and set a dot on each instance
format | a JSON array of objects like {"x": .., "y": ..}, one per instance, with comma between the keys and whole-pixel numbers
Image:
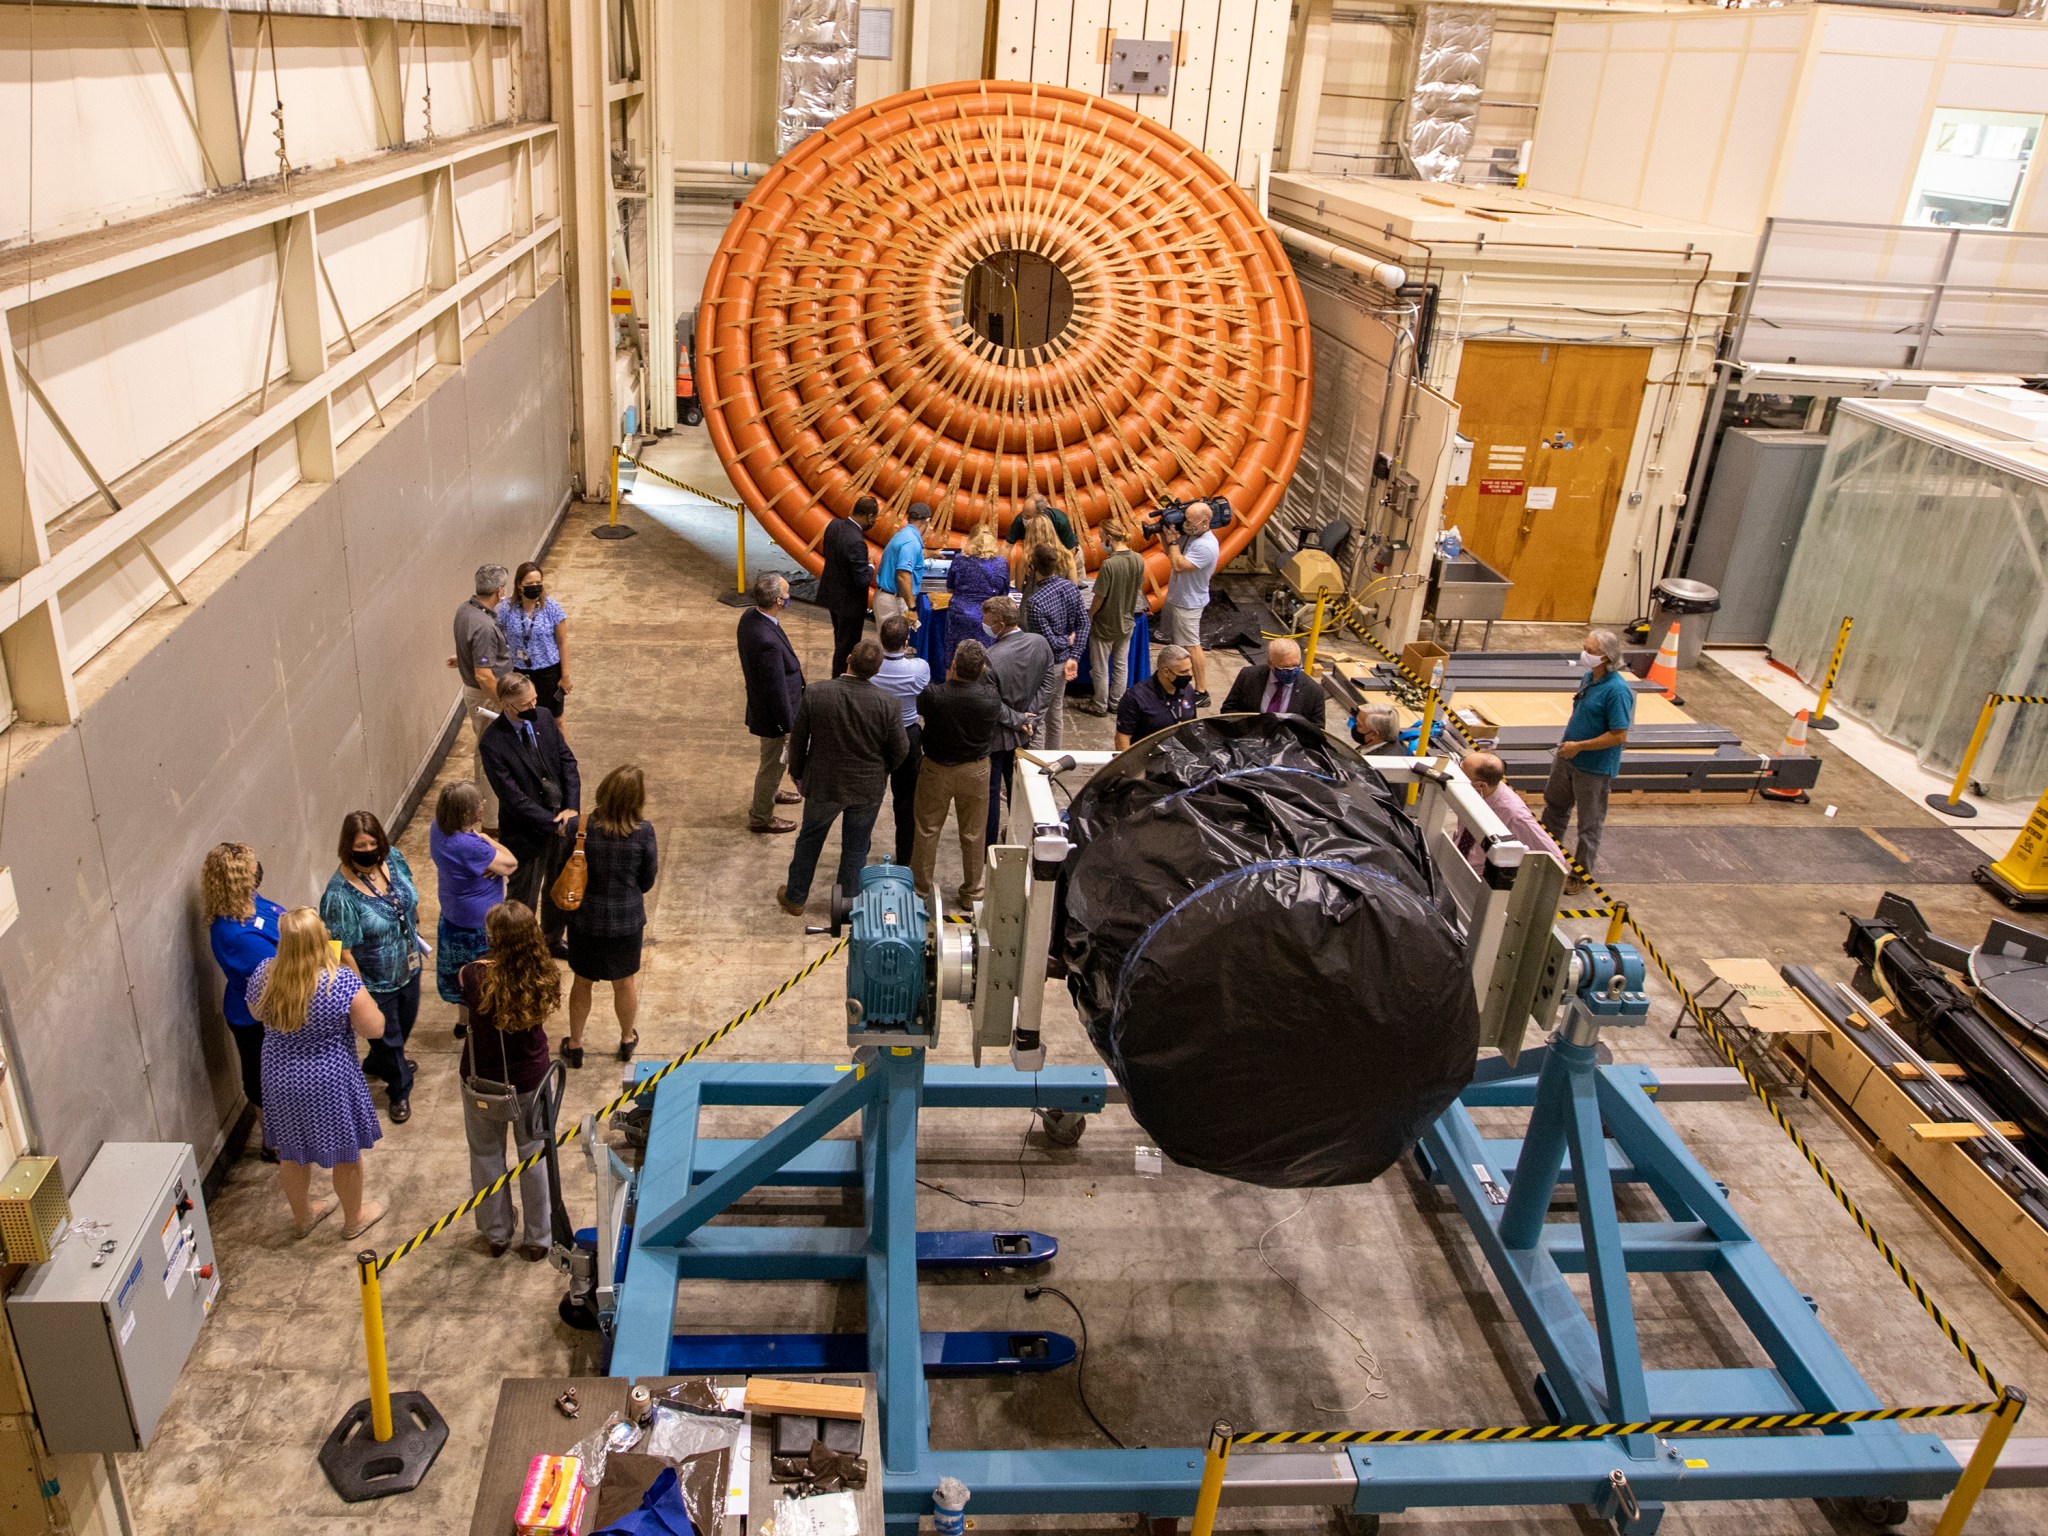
[{"x": 104, "y": 1328}]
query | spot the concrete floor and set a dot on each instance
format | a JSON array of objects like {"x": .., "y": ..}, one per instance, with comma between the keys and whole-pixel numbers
[{"x": 1188, "y": 1319}]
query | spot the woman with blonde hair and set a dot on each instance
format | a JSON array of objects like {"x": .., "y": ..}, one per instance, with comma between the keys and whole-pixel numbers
[
  {"x": 511, "y": 993},
  {"x": 1040, "y": 532},
  {"x": 978, "y": 573},
  {"x": 605, "y": 932},
  {"x": 317, "y": 1108},
  {"x": 242, "y": 930}
]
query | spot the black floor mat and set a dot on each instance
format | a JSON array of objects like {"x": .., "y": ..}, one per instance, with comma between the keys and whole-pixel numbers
[{"x": 1766, "y": 855}]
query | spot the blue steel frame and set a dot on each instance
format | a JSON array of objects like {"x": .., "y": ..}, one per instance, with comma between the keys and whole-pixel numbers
[{"x": 1592, "y": 1126}]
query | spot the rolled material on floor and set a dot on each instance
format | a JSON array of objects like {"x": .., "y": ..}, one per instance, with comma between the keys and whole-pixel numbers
[
  {"x": 1999, "y": 1070},
  {"x": 1254, "y": 938},
  {"x": 835, "y": 356}
]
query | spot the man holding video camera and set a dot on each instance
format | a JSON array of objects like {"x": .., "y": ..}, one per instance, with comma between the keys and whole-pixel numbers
[{"x": 1192, "y": 551}]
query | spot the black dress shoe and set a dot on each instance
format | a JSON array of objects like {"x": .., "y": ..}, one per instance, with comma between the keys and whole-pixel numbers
[
  {"x": 401, "y": 1110},
  {"x": 559, "y": 949},
  {"x": 533, "y": 1253},
  {"x": 461, "y": 1030},
  {"x": 498, "y": 1249},
  {"x": 572, "y": 1054}
]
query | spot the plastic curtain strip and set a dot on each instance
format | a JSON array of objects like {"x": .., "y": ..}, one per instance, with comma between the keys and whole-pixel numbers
[
  {"x": 1943, "y": 559},
  {"x": 814, "y": 67},
  {"x": 1451, "y": 45},
  {"x": 836, "y": 358}
]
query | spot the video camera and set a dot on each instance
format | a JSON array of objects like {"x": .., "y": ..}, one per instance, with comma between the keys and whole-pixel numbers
[{"x": 1174, "y": 515}]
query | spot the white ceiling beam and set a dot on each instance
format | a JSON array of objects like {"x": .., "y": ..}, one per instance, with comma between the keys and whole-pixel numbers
[{"x": 339, "y": 10}]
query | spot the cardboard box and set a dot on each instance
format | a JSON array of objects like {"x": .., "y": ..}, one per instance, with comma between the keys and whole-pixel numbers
[{"x": 1421, "y": 656}]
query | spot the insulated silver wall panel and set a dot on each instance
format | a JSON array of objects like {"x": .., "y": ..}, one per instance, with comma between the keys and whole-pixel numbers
[
  {"x": 1451, "y": 45},
  {"x": 305, "y": 682}
]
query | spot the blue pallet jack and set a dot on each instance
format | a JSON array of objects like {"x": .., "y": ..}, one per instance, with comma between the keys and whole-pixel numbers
[{"x": 1590, "y": 1128}]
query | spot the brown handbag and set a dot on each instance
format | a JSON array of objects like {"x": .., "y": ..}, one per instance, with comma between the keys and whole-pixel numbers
[{"x": 567, "y": 891}]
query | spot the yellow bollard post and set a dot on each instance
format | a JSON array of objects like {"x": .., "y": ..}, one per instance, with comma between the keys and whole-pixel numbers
[
  {"x": 1617, "y": 922},
  {"x": 1422, "y": 736},
  {"x": 742, "y": 515},
  {"x": 1315, "y": 633},
  {"x": 610, "y": 529},
  {"x": 1819, "y": 719},
  {"x": 2012, "y": 1402},
  {"x": 1212, "y": 1480},
  {"x": 373, "y": 1340},
  {"x": 1952, "y": 803},
  {"x": 615, "y": 487}
]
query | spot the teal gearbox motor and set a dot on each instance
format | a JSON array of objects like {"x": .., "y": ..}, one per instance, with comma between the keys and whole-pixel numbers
[{"x": 890, "y": 974}]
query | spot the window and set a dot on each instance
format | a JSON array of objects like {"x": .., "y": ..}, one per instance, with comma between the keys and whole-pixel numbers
[{"x": 1973, "y": 167}]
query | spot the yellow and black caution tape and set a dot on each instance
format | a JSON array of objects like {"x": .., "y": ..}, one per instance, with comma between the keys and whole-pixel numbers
[
  {"x": 647, "y": 469},
  {"x": 645, "y": 1085},
  {"x": 1758, "y": 1421},
  {"x": 1721, "y": 1043},
  {"x": 2019, "y": 698}
]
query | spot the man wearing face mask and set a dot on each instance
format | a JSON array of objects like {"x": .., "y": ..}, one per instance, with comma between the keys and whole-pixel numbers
[
  {"x": 1589, "y": 756},
  {"x": 1277, "y": 686},
  {"x": 1162, "y": 700},
  {"x": 539, "y": 796}
]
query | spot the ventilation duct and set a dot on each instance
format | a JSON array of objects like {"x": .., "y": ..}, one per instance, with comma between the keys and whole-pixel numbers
[
  {"x": 1451, "y": 44},
  {"x": 814, "y": 67}
]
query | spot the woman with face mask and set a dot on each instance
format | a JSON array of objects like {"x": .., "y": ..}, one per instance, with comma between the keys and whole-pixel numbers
[
  {"x": 372, "y": 910},
  {"x": 535, "y": 631}
]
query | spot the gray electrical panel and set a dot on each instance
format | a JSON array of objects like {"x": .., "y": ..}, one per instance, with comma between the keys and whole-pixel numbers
[
  {"x": 104, "y": 1328},
  {"x": 1763, "y": 479}
]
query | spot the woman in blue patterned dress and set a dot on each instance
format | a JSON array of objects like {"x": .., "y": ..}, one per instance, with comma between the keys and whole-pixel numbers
[
  {"x": 978, "y": 573},
  {"x": 316, "y": 1106},
  {"x": 373, "y": 908},
  {"x": 535, "y": 632}
]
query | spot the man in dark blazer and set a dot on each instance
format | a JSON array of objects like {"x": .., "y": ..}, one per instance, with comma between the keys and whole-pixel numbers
[
  {"x": 1277, "y": 686},
  {"x": 847, "y": 740},
  {"x": 539, "y": 795},
  {"x": 775, "y": 685},
  {"x": 849, "y": 572}
]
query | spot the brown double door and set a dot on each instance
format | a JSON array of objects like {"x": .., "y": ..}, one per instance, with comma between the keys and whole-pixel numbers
[{"x": 1551, "y": 427}]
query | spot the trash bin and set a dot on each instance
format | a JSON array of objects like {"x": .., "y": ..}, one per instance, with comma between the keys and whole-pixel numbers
[{"x": 1692, "y": 606}]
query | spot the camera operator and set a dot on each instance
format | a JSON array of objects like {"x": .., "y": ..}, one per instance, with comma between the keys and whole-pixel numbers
[{"x": 1192, "y": 552}]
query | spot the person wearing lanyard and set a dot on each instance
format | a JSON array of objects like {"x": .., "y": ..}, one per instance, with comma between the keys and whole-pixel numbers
[
  {"x": 536, "y": 631},
  {"x": 242, "y": 929},
  {"x": 371, "y": 909}
]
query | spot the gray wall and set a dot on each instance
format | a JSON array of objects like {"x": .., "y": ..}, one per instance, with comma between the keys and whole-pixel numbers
[{"x": 308, "y": 683}]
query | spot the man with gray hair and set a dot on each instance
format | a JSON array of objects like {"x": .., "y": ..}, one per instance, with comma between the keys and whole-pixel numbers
[
  {"x": 480, "y": 656},
  {"x": 1160, "y": 702},
  {"x": 775, "y": 686},
  {"x": 1589, "y": 755}
]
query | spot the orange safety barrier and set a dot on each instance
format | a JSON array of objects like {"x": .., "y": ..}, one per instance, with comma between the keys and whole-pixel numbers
[{"x": 834, "y": 358}]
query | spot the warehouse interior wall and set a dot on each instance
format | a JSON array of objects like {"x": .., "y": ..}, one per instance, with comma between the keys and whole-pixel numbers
[{"x": 303, "y": 679}]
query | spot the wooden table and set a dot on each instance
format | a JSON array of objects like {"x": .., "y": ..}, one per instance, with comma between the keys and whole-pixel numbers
[{"x": 528, "y": 1425}]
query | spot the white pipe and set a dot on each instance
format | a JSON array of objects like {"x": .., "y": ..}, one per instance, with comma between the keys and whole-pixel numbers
[
  {"x": 737, "y": 170},
  {"x": 1385, "y": 273}
]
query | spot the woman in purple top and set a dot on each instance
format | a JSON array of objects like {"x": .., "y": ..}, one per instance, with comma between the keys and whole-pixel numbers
[
  {"x": 979, "y": 572},
  {"x": 472, "y": 866},
  {"x": 511, "y": 994},
  {"x": 316, "y": 1106}
]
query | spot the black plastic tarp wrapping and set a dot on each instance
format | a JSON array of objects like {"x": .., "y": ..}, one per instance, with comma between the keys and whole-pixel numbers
[{"x": 1256, "y": 943}]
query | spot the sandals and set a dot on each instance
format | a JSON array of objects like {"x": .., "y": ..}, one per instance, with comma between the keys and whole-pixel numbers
[
  {"x": 322, "y": 1209},
  {"x": 572, "y": 1054},
  {"x": 628, "y": 1045},
  {"x": 367, "y": 1217}
]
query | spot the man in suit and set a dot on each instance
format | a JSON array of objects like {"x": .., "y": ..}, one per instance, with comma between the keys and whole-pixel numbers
[
  {"x": 847, "y": 740},
  {"x": 1025, "y": 675},
  {"x": 539, "y": 795},
  {"x": 1277, "y": 686},
  {"x": 775, "y": 686},
  {"x": 849, "y": 572}
]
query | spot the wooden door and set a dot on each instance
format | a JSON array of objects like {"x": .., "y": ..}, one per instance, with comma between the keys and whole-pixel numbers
[{"x": 1551, "y": 427}]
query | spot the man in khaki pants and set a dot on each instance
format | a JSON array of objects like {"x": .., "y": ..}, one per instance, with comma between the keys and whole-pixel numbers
[
  {"x": 960, "y": 719},
  {"x": 479, "y": 660}
]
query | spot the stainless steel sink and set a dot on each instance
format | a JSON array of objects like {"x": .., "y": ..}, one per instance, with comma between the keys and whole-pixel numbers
[{"x": 1467, "y": 588}]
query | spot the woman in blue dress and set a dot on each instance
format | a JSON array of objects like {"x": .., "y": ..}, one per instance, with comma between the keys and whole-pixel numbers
[
  {"x": 242, "y": 931},
  {"x": 316, "y": 1105},
  {"x": 472, "y": 866},
  {"x": 373, "y": 908},
  {"x": 537, "y": 637},
  {"x": 979, "y": 572}
]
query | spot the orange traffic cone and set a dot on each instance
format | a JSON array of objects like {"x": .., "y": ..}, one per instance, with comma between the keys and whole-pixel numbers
[
  {"x": 1794, "y": 745},
  {"x": 1664, "y": 670}
]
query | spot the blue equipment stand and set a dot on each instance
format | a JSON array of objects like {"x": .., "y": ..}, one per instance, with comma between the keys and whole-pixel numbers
[{"x": 1591, "y": 1126}]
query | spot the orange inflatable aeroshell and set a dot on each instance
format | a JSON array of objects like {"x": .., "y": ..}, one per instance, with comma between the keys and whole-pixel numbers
[{"x": 834, "y": 359}]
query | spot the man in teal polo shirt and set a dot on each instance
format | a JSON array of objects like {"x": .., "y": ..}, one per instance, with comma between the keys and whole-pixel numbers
[
  {"x": 899, "y": 578},
  {"x": 1589, "y": 756}
]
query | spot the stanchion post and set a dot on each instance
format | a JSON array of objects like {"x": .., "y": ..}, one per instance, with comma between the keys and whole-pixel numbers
[
  {"x": 1819, "y": 720},
  {"x": 2012, "y": 1402},
  {"x": 1422, "y": 737},
  {"x": 1315, "y": 633},
  {"x": 615, "y": 486},
  {"x": 1212, "y": 1480},
  {"x": 741, "y": 514},
  {"x": 373, "y": 1339},
  {"x": 1952, "y": 803},
  {"x": 609, "y": 528},
  {"x": 1617, "y": 922}
]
